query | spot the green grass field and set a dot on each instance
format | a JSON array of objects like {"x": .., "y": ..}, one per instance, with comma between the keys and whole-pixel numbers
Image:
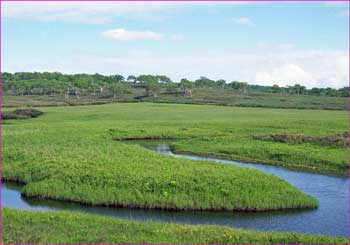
[
  {"x": 230, "y": 132},
  {"x": 212, "y": 96},
  {"x": 69, "y": 154},
  {"x": 217, "y": 96},
  {"x": 69, "y": 227}
]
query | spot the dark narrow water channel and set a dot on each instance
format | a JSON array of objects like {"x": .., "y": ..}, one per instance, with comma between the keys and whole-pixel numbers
[{"x": 331, "y": 218}]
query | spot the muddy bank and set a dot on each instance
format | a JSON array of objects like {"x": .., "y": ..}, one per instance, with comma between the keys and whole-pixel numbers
[
  {"x": 13, "y": 181},
  {"x": 21, "y": 114},
  {"x": 340, "y": 139},
  {"x": 145, "y": 138}
]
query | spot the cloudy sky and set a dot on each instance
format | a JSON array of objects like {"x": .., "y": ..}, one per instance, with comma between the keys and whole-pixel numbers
[{"x": 260, "y": 43}]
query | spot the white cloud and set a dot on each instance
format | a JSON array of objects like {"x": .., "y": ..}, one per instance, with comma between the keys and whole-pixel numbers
[
  {"x": 97, "y": 12},
  {"x": 84, "y": 12},
  {"x": 244, "y": 21},
  {"x": 283, "y": 75},
  {"x": 309, "y": 67},
  {"x": 129, "y": 35},
  {"x": 125, "y": 35}
]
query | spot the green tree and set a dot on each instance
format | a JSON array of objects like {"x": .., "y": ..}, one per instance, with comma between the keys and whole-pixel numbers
[
  {"x": 116, "y": 78},
  {"x": 298, "y": 89},
  {"x": 240, "y": 86},
  {"x": 220, "y": 83},
  {"x": 186, "y": 86},
  {"x": 118, "y": 89},
  {"x": 93, "y": 86},
  {"x": 164, "y": 79},
  {"x": 152, "y": 88},
  {"x": 171, "y": 87},
  {"x": 131, "y": 78},
  {"x": 343, "y": 92},
  {"x": 204, "y": 82},
  {"x": 276, "y": 88},
  {"x": 143, "y": 79},
  {"x": 244, "y": 87}
]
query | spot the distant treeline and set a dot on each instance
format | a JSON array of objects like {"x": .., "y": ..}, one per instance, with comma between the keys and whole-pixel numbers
[{"x": 50, "y": 83}]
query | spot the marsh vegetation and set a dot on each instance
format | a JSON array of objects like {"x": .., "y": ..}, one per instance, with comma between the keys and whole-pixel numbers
[
  {"x": 58, "y": 227},
  {"x": 69, "y": 153}
]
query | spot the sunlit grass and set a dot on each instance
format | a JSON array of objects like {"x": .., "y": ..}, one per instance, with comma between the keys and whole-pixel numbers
[
  {"x": 68, "y": 154},
  {"x": 27, "y": 227}
]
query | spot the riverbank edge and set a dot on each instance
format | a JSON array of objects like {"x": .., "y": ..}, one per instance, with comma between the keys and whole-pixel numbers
[
  {"x": 97, "y": 229},
  {"x": 291, "y": 166},
  {"x": 157, "y": 207},
  {"x": 263, "y": 162}
]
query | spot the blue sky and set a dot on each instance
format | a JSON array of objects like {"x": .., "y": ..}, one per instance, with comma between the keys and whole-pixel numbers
[{"x": 260, "y": 43}]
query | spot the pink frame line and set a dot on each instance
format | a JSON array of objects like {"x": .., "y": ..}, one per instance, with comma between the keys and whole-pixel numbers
[
  {"x": 174, "y": 0},
  {"x": 348, "y": 1}
]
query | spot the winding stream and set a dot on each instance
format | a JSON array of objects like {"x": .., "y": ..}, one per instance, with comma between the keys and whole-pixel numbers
[{"x": 331, "y": 218}]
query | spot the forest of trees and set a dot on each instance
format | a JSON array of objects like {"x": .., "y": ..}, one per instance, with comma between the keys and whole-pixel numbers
[{"x": 53, "y": 83}]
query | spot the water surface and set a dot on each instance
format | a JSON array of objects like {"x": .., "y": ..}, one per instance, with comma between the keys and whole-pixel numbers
[{"x": 331, "y": 218}]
